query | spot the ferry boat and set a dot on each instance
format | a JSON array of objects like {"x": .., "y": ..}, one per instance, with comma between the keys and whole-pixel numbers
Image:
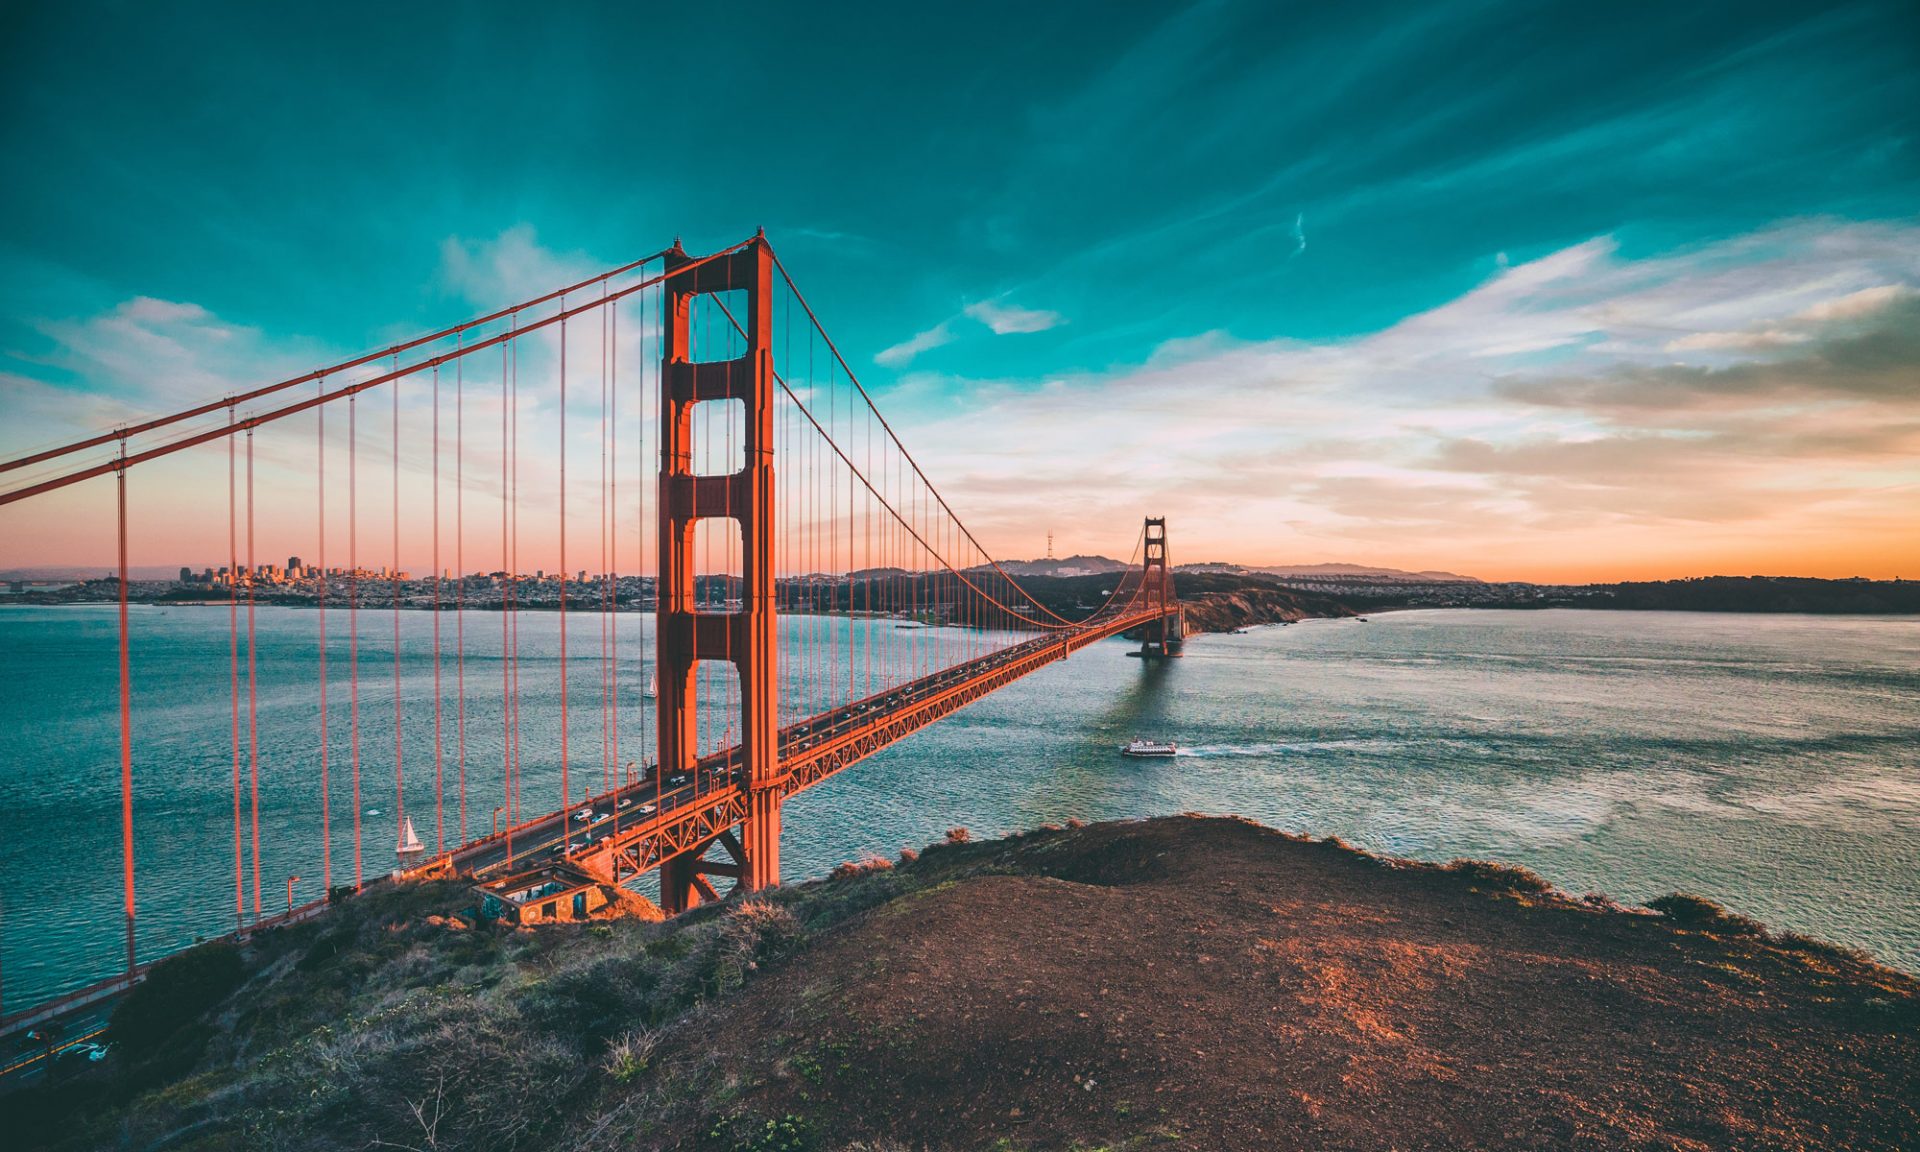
[
  {"x": 409, "y": 841},
  {"x": 1139, "y": 747}
]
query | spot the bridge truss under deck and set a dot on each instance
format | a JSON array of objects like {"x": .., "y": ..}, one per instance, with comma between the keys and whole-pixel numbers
[{"x": 624, "y": 841}]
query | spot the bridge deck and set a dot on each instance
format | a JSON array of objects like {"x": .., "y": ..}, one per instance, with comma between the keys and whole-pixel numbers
[{"x": 632, "y": 828}]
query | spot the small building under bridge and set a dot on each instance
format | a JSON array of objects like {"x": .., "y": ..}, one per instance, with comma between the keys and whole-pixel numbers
[{"x": 559, "y": 893}]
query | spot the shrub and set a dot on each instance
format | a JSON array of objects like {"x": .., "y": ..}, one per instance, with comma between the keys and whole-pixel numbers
[
  {"x": 1690, "y": 911},
  {"x": 790, "y": 1133},
  {"x": 1500, "y": 877},
  {"x": 959, "y": 836},
  {"x": 176, "y": 992},
  {"x": 1804, "y": 943},
  {"x": 909, "y": 855},
  {"x": 760, "y": 928},
  {"x": 594, "y": 1001},
  {"x": 860, "y": 867},
  {"x": 752, "y": 933},
  {"x": 629, "y": 1056}
]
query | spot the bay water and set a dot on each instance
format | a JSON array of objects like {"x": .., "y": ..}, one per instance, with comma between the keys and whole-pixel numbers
[{"x": 1771, "y": 763}]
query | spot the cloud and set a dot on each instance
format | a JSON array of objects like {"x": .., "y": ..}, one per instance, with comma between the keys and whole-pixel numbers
[
  {"x": 1003, "y": 319},
  {"x": 1571, "y": 416},
  {"x": 904, "y": 352},
  {"x": 1856, "y": 354},
  {"x": 147, "y": 356},
  {"x": 1799, "y": 328},
  {"x": 510, "y": 267},
  {"x": 1007, "y": 319}
]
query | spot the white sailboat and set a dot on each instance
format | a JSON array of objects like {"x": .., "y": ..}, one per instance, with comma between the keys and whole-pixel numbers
[
  {"x": 653, "y": 686},
  {"x": 409, "y": 840}
]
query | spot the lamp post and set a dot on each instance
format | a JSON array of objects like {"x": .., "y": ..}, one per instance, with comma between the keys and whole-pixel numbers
[{"x": 290, "y": 882}]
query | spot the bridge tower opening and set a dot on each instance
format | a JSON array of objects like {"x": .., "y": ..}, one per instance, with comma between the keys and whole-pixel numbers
[
  {"x": 745, "y": 638},
  {"x": 1165, "y": 637}
]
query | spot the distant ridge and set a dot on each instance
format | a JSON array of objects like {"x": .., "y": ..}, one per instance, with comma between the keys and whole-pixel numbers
[
  {"x": 76, "y": 572},
  {"x": 1310, "y": 571},
  {"x": 1071, "y": 566}
]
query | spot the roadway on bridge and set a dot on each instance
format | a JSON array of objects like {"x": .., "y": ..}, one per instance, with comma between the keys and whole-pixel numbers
[{"x": 652, "y": 801}]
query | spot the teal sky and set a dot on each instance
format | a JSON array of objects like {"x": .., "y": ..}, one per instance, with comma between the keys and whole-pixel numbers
[{"x": 997, "y": 202}]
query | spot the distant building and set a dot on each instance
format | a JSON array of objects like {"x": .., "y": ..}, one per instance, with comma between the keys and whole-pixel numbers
[{"x": 186, "y": 575}]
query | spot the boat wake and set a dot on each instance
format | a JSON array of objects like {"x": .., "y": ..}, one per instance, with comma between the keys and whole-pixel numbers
[{"x": 1284, "y": 748}]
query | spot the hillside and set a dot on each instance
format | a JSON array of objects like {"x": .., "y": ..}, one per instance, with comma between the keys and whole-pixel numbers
[
  {"x": 1226, "y": 610},
  {"x": 1214, "y": 602},
  {"x": 1354, "y": 572},
  {"x": 1205, "y": 982}
]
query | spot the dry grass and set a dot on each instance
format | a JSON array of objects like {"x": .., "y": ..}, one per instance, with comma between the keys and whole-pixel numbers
[{"x": 891, "y": 1002}]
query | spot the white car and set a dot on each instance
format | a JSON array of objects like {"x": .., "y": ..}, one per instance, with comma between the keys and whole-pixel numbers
[{"x": 583, "y": 814}]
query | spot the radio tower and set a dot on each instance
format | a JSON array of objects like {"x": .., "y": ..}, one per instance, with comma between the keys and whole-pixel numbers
[{"x": 1049, "y": 544}]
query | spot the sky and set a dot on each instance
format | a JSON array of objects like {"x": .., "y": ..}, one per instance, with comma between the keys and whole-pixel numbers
[{"x": 1525, "y": 291}]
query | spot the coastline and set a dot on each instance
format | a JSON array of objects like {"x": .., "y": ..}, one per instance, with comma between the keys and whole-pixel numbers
[{"x": 1193, "y": 979}]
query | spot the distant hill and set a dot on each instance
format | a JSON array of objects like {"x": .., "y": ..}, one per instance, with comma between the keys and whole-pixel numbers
[
  {"x": 1332, "y": 571},
  {"x": 1071, "y": 566},
  {"x": 64, "y": 572}
]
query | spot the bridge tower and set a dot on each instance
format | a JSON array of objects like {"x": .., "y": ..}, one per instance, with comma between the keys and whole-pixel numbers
[
  {"x": 1165, "y": 637},
  {"x": 746, "y": 638}
]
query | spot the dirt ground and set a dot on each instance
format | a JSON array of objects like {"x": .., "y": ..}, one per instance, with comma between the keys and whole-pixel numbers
[{"x": 1216, "y": 985}]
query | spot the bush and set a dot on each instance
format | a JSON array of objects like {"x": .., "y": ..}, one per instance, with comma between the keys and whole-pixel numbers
[
  {"x": 1690, "y": 911},
  {"x": 1500, "y": 877},
  {"x": 790, "y": 1133},
  {"x": 594, "y": 1001},
  {"x": 959, "y": 836},
  {"x": 752, "y": 933},
  {"x": 177, "y": 991},
  {"x": 629, "y": 1056},
  {"x": 850, "y": 868}
]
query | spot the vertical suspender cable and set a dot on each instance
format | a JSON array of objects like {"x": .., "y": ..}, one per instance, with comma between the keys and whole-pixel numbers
[
  {"x": 606, "y": 727},
  {"x": 563, "y": 558},
  {"x": 439, "y": 747},
  {"x": 253, "y": 690},
  {"x": 399, "y": 778},
  {"x": 353, "y": 621},
  {"x": 320, "y": 603},
  {"x": 233, "y": 673},
  {"x": 506, "y": 602},
  {"x": 612, "y": 374},
  {"x": 126, "y": 723},
  {"x": 460, "y": 583},
  {"x": 513, "y": 655}
]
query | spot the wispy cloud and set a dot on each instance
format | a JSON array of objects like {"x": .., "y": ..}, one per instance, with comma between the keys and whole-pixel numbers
[
  {"x": 903, "y": 353},
  {"x": 1564, "y": 409},
  {"x": 1007, "y": 319},
  {"x": 1002, "y": 319}
]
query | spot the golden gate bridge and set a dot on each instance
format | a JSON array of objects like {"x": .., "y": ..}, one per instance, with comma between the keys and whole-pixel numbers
[{"x": 779, "y": 492}]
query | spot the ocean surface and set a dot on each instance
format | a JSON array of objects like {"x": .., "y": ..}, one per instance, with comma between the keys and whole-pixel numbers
[{"x": 1771, "y": 763}]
